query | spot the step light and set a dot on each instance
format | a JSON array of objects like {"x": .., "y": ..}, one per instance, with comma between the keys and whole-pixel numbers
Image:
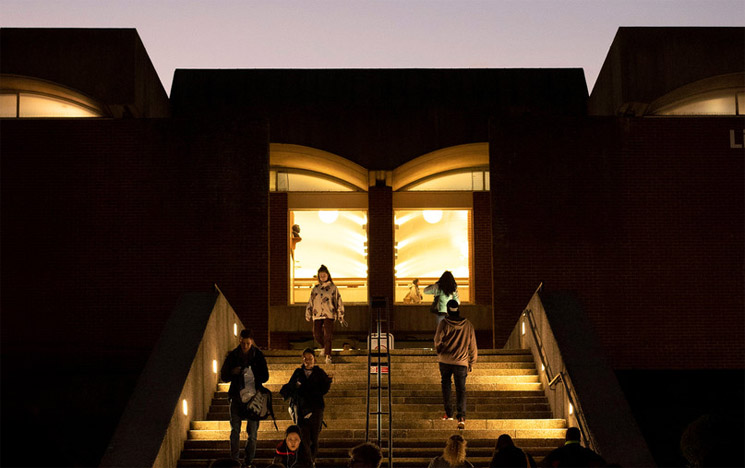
[
  {"x": 523, "y": 327},
  {"x": 214, "y": 366},
  {"x": 571, "y": 409},
  {"x": 235, "y": 329},
  {"x": 185, "y": 407}
]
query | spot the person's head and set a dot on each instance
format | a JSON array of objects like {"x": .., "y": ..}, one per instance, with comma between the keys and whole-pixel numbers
[
  {"x": 293, "y": 437},
  {"x": 225, "y": 463},
  {"x": 504, "y": 441},
  {"x": 309, "y": 358},
  {"x": 446, "y": 283},
  {"x": 455, "y": 450},
  {"x": 296, "y": 229},
  {"x": 324, "y": 275},
  {"x": 573, "y": 434},
  {"x": 365, "y": 455},
  {"x": 416, "y": 281},
  {"x": 453, "y": 307},
  {"x": 247, "y": 340}
]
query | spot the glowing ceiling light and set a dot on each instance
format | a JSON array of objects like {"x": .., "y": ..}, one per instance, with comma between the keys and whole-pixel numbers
[
  {"x": 432, "y": 216},
  {"x": 328, "y": 217}
]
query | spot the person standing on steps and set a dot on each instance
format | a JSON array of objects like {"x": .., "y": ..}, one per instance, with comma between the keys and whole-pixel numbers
[
  {"x": 455, "y": 343},
  {"x": 444, "y": 290},
  {"x": 572, "y": 453},
  {"x": 246, "y": 370},
  {"x": 454, "y": 455},
  {"x": 324, "y": 307},
  {"x": 305, "y": 390},
  {"x": 293, "y": 452}
]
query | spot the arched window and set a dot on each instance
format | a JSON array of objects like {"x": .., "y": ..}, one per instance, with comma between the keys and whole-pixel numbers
[
  {"x": 23, "y": 97},
  {"x": 720, "y": 95}
]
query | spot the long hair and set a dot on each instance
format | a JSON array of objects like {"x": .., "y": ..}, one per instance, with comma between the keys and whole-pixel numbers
[
  {"x": 455, "y": 450},
  {"x": 325, "y": 269},
  {"x": 446, "y": 283}
]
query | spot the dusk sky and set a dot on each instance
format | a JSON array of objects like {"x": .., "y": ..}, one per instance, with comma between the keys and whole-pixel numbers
[{"x": 372, "y": 34}]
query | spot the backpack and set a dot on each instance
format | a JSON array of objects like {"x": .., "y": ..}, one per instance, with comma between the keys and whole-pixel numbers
[{"x": 259, "y": 406}]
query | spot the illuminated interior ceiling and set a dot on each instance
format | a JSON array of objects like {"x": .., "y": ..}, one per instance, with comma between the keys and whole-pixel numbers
[
  {"x": 452, "y": 159},
  {"x": 429, "y": 242},
  {"x": 25, "y": 97},
  {"x": 333, "y": 238},
  {"x": 720, "y": 95},
  {"x": 297, "y": 159},
  {"x": 470, "y": 181}
]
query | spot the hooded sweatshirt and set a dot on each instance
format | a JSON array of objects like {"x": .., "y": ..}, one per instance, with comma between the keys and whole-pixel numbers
[{"x": 455, "y": 341}]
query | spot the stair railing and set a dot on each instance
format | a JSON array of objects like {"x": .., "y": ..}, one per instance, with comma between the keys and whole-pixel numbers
[{"x": 380, "y": 315}]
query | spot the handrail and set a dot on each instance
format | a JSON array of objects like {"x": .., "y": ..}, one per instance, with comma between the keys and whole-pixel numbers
[
  {"x": 571, "y": 394},
  {"x": 380, "y": 304}
]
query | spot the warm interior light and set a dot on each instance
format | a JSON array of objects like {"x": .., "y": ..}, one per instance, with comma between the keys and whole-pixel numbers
[
  {"x": 328, "y": 217},
  {"x": 523, "y": 327},
  {"x": 543, "y": 368},
  {"x": 235, "y": 329},
  {"x": 185, "y": 407},
  {"x": 432, "y": 216},
  {"x": 214, "y": 366},
  {"x": 571, "y": 409}
]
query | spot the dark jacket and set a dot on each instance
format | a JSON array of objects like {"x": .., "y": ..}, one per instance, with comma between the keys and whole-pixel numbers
[
  {"x": 297, "y": 459},
  {"x": 511, "y": 457},
  {"x": 572, "y": 454},
  {"x": 309, "y": 394},
  {"x": 255, "y": 359}
]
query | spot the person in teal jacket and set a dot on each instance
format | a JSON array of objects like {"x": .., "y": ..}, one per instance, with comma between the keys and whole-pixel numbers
[{"x": 444, "y": 290}]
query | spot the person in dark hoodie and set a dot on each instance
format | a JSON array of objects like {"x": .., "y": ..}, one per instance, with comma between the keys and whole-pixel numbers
[
  {"x": 507, "y": 455},
  {"x": 455, "y": 343},
  {"x": 246, "y": 370},
  {"x": 292, "y": 451},
  {"x": 306, "y": 388}
]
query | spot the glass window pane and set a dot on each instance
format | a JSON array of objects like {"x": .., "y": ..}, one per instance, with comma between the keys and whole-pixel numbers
[
  {"x": 32, "y": 105},
  {"x": 311, "y": 183},
  {"x": 717, "y": 103},
  {"x": 460, "y": 181},
  {"x": 428, "y": 242},
  {"x": 8, "y": 105},
  {"x": 337, "y": 239},
  {"x": 741, "y": 103}
]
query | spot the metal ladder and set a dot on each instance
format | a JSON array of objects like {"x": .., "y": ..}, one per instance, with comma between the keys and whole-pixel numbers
[{"x": 379, "y": 359}]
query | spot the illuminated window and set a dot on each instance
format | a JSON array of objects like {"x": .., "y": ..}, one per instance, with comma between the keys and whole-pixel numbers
[
  {"x": 713, "y": 103},
  {"x": 337, "y": 239},
  {"x": 471, "y": 181},
  {"x": 22, "y": 97},
  {"x": 428, "y": 242},
  {"x": 296, "y": 181}
]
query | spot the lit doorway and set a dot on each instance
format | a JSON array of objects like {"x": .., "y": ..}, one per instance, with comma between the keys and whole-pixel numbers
[
  {"x": 337, "y": 239},
  {"x": 428, "y": 242}
]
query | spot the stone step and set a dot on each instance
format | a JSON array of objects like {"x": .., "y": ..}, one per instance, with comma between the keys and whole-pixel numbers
[
  {"x": 494, "y": 368},
  {"x": 358, "y": 433},
  {"x": 281, "y": 353},
  {"x": 471, "y": 386},
  {"x": 331, "y": 445},
  {"x": 398, "y": 423},
  {"x": 342, "y": 462},
  {"x": 430, "y": 358}
]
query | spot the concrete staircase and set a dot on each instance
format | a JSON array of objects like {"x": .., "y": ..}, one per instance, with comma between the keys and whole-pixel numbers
[{"x": 504, "y": 396}]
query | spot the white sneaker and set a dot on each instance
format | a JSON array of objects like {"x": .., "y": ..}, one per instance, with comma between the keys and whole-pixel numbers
[{"x": 328, "y": 359}]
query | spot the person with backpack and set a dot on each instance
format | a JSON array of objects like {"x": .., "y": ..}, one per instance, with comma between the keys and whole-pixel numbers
[
  {"x": 305, "y": 390},
  {"x": 246, "y": 370},
  {"x": 444, "y": 290}
]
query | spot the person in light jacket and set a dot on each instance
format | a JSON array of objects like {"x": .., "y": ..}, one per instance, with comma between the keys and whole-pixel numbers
[
  {"x": 455, "y": 343},
  {"x": 324, "y": 307},
  {"x": 454, "y": 455},
  {"x": 444, "y": 290}
]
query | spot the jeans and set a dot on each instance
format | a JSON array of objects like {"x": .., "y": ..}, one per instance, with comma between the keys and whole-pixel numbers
[
  {"x": 459, "y": 374},
  {"x": 252, "y": 428},
  {"x": 323, "y": 332},
  {"x": 311, "y": 428}
]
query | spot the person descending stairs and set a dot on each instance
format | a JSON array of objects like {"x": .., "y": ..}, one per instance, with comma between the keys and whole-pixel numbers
[{"x": 505, "y": 396}]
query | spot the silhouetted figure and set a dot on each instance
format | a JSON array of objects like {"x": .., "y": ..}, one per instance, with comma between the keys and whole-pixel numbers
[
  {"x": 365, "y": 455},
  {"x": 506, "y": 454},
  {"x": 305, "y": 391},
  {"x": 324, "y": 307},
  {"x": 572, "y": 453},
  {"x": 246, "y": 370},
  {"x": 414, "y": 296},
  {"x": 444, "y": 290},
  {"x": 715, "y": 440},
  {"x": 454, "y": 455},
  {"x": 294, "y": 238},
  {"x": 455, "y": 343},
  {"x": 292, "y": 452}
]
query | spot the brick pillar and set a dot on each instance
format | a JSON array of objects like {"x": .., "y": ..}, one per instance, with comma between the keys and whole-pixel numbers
[
  {"x": 380, "y": 238},
  {"x": 279, "y": 260},
  {"x": 481, "y": 289}
]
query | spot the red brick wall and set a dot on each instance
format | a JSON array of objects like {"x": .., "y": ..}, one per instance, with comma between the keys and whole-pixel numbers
[
  {"x": 279, "y": 230},
  {"x": 481, "y": 255},
  {"x": 107, "y": 223},
  {"x": 380, "y": 239},
  {"x": 641, "y": 218}
]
